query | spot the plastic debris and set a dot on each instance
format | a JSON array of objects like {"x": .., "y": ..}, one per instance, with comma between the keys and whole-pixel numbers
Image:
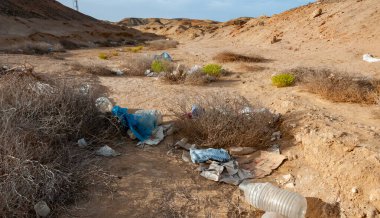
[
  {"x": 241, "y": 150},
  {"x": 131, "y": 135},
  {"x": 158, "y": 135},
  {"x": 261, "y": 163},
  {"x": 85, "y": 89},
  {"x": 118, "y": 72},
  {"x": 247, "y": 110},
  {"x": 103, "y": 104},
  {"x": 157, "y": 114},
  {"x": 150, "y": 73},
  {"x": 275, "y": 149},
  {"x": 203, "y": 155},
  {"x": 196, "y": 111},
  {"x": 106, "y": 151},
  {"x": 82, "y": 143},
  {"x": 141, "y": 125},
  {"x": 42, "y": 209},
  {"x": 186, "y": 156},
  {"x": 369, "y": 58},
  {"x": 164, "y": 56},
  {"x": 267, "y": 197},
  {"x": 272, "y": 215},
  {"x": 194, "y": 69},
  {"x": 228, "y": 172}
]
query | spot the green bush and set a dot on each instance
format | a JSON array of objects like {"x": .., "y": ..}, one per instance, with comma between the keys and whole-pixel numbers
[
  {"x": 212, "y": 70},
  {"x": 136, "y": 49},
  {"x": 283, "y": 80},
  {"x": 159, "y": 66}
]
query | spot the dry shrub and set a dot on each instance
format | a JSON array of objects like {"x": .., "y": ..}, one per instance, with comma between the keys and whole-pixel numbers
[
  {"x": 227, "y": 56},
  {"x": 162, "y": 44},
  {"x": 32, "y": 48},
  {"x": 199, "y": 78},
  {"x": 137, "y": 65},
  {"x": 41, "y": 119},
  {"x": 93, "y": 69},
  {"x": 224, "y": 121},
  {"x": 338, "y": 86}
]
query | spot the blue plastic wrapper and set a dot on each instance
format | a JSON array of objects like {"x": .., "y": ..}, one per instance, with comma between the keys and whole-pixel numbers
[
  {"x": 203, "y": 155},
  {"x": 164, "y": 56},
  {"x": 142, "y": 125}
]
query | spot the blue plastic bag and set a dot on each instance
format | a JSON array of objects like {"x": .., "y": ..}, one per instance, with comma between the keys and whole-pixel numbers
[
  {"x": 142, "y": 125},
  {"x": 203, "y": 155}
]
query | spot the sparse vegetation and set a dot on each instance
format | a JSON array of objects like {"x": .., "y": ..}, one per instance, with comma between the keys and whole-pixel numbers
[
  {"x": 162, "y": 44},
  {"x": 283, "y": 79},
  {"x": 339, "y": 86},
  {"x": 221, "y": 121},
  {"x": 234, "y": 57},
  {"x": 137, "y": 65},
  {"x": 159, "y": 66},
  {"x": 199, "y": 78},
  {"x": 212, "y": 70},
  {"x": 135, "y": 49},
  {"x": 95, "y": 69},
  {"x": 34, "y": 48},
  {"x": 41, "y": 120},
  {"x": 103, "y": 56}
]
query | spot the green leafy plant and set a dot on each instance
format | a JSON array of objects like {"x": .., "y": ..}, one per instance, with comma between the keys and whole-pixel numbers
[
  {"x": 212, "y": 70},
  {"x": 159, "y": 66},
  {"x": 283, "y": 80}
]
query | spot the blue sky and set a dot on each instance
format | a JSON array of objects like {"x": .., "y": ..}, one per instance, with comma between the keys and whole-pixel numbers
[{"x": 220, "y": 10}]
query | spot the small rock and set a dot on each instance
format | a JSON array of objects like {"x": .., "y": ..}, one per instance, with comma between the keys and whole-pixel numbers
[
  {"x": 317, "y": 13},
  {"x": 276, "y": 136},
  {"x": 42, "y": 209},
  {"x": 354, "y": 190}
]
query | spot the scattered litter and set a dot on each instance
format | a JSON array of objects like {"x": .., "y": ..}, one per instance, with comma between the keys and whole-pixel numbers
[
  {"x": 157, "y": 136},
  {"x": 183, "y": 144},
  {"x": 196, "y": 111},
  {"x": 42, "y": 209},
  {"x": 118, "y": 72},
  {"x": 268, "y": 197},
  {"x": 228, "y": 172},
  {"x": 155, "y": 113},
  {"x": 203, "y": 155},
  {"x": 150, "y": 73},
  {"x": 275, "y": 149},
  {"x": 106, "y": 151},
  {"x": 85, "y": 89},
  {"x": 42, "y": 88},
  {"x": 82, "y": 143},
  {"x": 238, "y": 151},
  {"x": 141, "y": 125},
  {"x": 369, "y": 58},
  {"x": 276, "y": 136},
  {"x": 164, "y": 56},
  {"x": 247, "y": 110},
  {"x": 186, "y": 156},
  {"x": 103, "y": 104},
  {"x": 261, "y": 163},
  {"x": 287, "y": 181},
  {"x": 194, "y": 69}
]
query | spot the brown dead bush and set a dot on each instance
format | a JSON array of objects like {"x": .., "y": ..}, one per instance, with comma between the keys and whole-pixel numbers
[
  {"x": 199, "y": 78},
  {"x": 41, "y": 120},
  {"x": 234, "y": 57},
  {"x": 223, "y": 121},
  {"x": 94, "y": 69},
  {"x": 162, "y": 44},
  {"x": 137, "y": 65},
  {"x": 338, "y": 86}
]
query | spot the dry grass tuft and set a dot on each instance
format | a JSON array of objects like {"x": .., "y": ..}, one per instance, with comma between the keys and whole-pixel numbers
[
  {"x": 162, "y": 44},
  {"x": 338, "y": 86},
  {"x": 199, "y": 78},
  {"x": 223, "y": 123},
  {"x": 234, "y": 57},
  {"x": 41, "y": 119}
]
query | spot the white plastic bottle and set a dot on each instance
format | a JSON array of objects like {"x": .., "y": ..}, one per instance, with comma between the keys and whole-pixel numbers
[{"x": 270, "y": 198}]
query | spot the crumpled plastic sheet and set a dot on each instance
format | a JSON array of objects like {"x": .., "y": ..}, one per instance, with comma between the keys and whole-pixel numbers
[
  {"x": 228, "y": 172},
  {"x": 369, "y": 58},
  {"x": 203, "y": 155},
  {"x": 141, "y": 124},
  {"x": 157, "y": 136}
]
